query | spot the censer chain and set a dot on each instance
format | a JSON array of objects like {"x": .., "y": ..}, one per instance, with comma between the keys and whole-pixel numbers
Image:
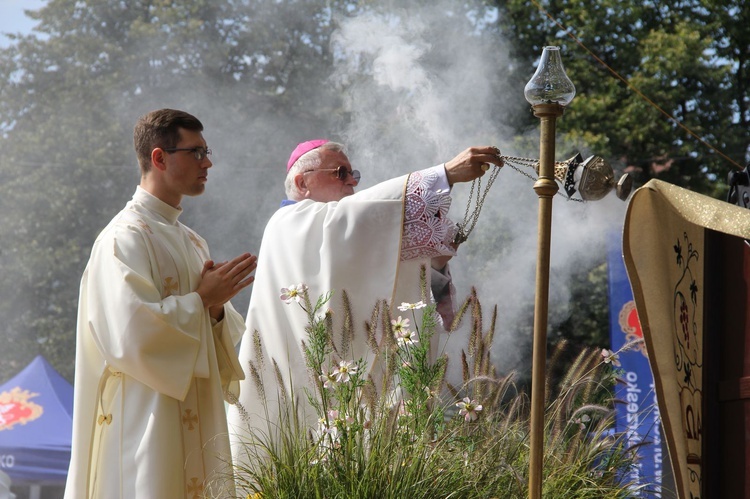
[
  {"x": 515, "y": 162},
  {"x": 471, "y": 217}
]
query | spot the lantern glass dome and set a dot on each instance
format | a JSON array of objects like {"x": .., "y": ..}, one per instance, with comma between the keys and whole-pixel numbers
[{"x": 550, "y": 84}]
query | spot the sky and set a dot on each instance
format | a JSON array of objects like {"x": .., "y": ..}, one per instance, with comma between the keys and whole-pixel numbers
[{"x": 13, "y": 19}]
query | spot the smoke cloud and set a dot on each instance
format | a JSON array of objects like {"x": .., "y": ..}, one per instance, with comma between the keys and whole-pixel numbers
[
  {"x": 433, "y": 89},
  {"x": 419, "y": 87}
]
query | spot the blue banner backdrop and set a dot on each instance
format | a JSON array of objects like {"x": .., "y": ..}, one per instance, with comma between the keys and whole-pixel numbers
[{"x": 637, "y": 413}]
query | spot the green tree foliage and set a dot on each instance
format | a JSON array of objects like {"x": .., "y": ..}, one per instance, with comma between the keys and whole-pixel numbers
[{"x": 688, "y": 57}]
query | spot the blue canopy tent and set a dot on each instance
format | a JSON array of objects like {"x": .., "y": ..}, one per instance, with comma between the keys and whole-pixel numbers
[{"x": 36, "y": 423}]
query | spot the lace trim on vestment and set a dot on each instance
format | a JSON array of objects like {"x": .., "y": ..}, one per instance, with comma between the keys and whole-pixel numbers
[{"x": 427, "y": 230}]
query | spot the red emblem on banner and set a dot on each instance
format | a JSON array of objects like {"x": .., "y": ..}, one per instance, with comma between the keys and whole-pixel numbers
[
  {"x": 15, "y": 408},
  {"x": 631, "y": 327}
]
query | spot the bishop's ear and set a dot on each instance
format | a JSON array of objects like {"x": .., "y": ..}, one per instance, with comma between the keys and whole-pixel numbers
[{"x": 299, "y": 182}]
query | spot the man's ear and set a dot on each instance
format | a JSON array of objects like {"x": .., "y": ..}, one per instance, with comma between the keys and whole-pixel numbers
[
  {"x": 299, "y": 182},
  {"x": 158, "y": 159}
]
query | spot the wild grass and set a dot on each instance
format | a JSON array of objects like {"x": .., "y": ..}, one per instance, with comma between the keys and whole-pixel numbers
[{"x": 408, "y": 433}]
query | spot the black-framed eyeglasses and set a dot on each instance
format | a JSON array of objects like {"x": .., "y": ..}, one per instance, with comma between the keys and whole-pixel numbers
[
  {"x": 199, "y": 152},
  {"x": 340, "y": 173}
]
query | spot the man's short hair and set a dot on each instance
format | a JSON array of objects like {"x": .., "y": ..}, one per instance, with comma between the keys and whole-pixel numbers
[
  {"x": 308, "y": 161},
  {"x": 161, "y": 129}
]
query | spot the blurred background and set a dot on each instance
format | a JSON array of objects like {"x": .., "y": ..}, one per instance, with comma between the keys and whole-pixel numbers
[{"x": 404, "y": 84}]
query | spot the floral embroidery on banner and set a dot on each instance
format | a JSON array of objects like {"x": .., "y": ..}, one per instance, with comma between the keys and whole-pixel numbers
[
  {"x": 427, "y": 230},
  {"x": 688, "y": 356},
  {"x": 688, "y": 352}
]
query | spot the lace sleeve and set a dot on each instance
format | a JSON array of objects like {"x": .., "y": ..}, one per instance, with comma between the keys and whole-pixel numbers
[{"x": 427, "y": 229}]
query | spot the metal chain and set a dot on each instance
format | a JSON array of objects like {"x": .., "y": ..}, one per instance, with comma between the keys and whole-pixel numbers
[
  {"x": 471, "y": 216},
  {"x": 470, "y": 219},
  {"x": 522, "y": 172},
  {"x": 532, "y": 163},
  {"x": 522, "y": 161}
]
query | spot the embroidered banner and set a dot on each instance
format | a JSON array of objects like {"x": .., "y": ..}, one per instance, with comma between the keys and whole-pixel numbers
[{"x": 664, "y": 248}]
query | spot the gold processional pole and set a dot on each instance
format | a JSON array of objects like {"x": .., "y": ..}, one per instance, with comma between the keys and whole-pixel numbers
[{"x": 548, "y": 91}]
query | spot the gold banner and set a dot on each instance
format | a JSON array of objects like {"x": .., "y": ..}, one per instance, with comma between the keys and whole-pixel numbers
[{"x": 663, "y": 248}]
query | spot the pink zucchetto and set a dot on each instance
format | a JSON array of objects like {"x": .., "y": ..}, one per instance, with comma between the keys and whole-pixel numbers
[{"x": 303, "y": 148}]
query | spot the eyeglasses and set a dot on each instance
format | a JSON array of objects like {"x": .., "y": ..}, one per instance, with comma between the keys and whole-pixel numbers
[
  {"x": 199, "y": 152},
  {"x": 340, "y": 173}
]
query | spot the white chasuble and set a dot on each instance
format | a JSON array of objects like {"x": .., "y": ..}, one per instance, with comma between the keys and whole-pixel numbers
[
  {"x": 372, "y": 245},
  {"x": 151, "y": 369}
]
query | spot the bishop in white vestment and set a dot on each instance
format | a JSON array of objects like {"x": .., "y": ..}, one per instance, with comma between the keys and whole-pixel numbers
[{"x": 371, "y": 244}]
